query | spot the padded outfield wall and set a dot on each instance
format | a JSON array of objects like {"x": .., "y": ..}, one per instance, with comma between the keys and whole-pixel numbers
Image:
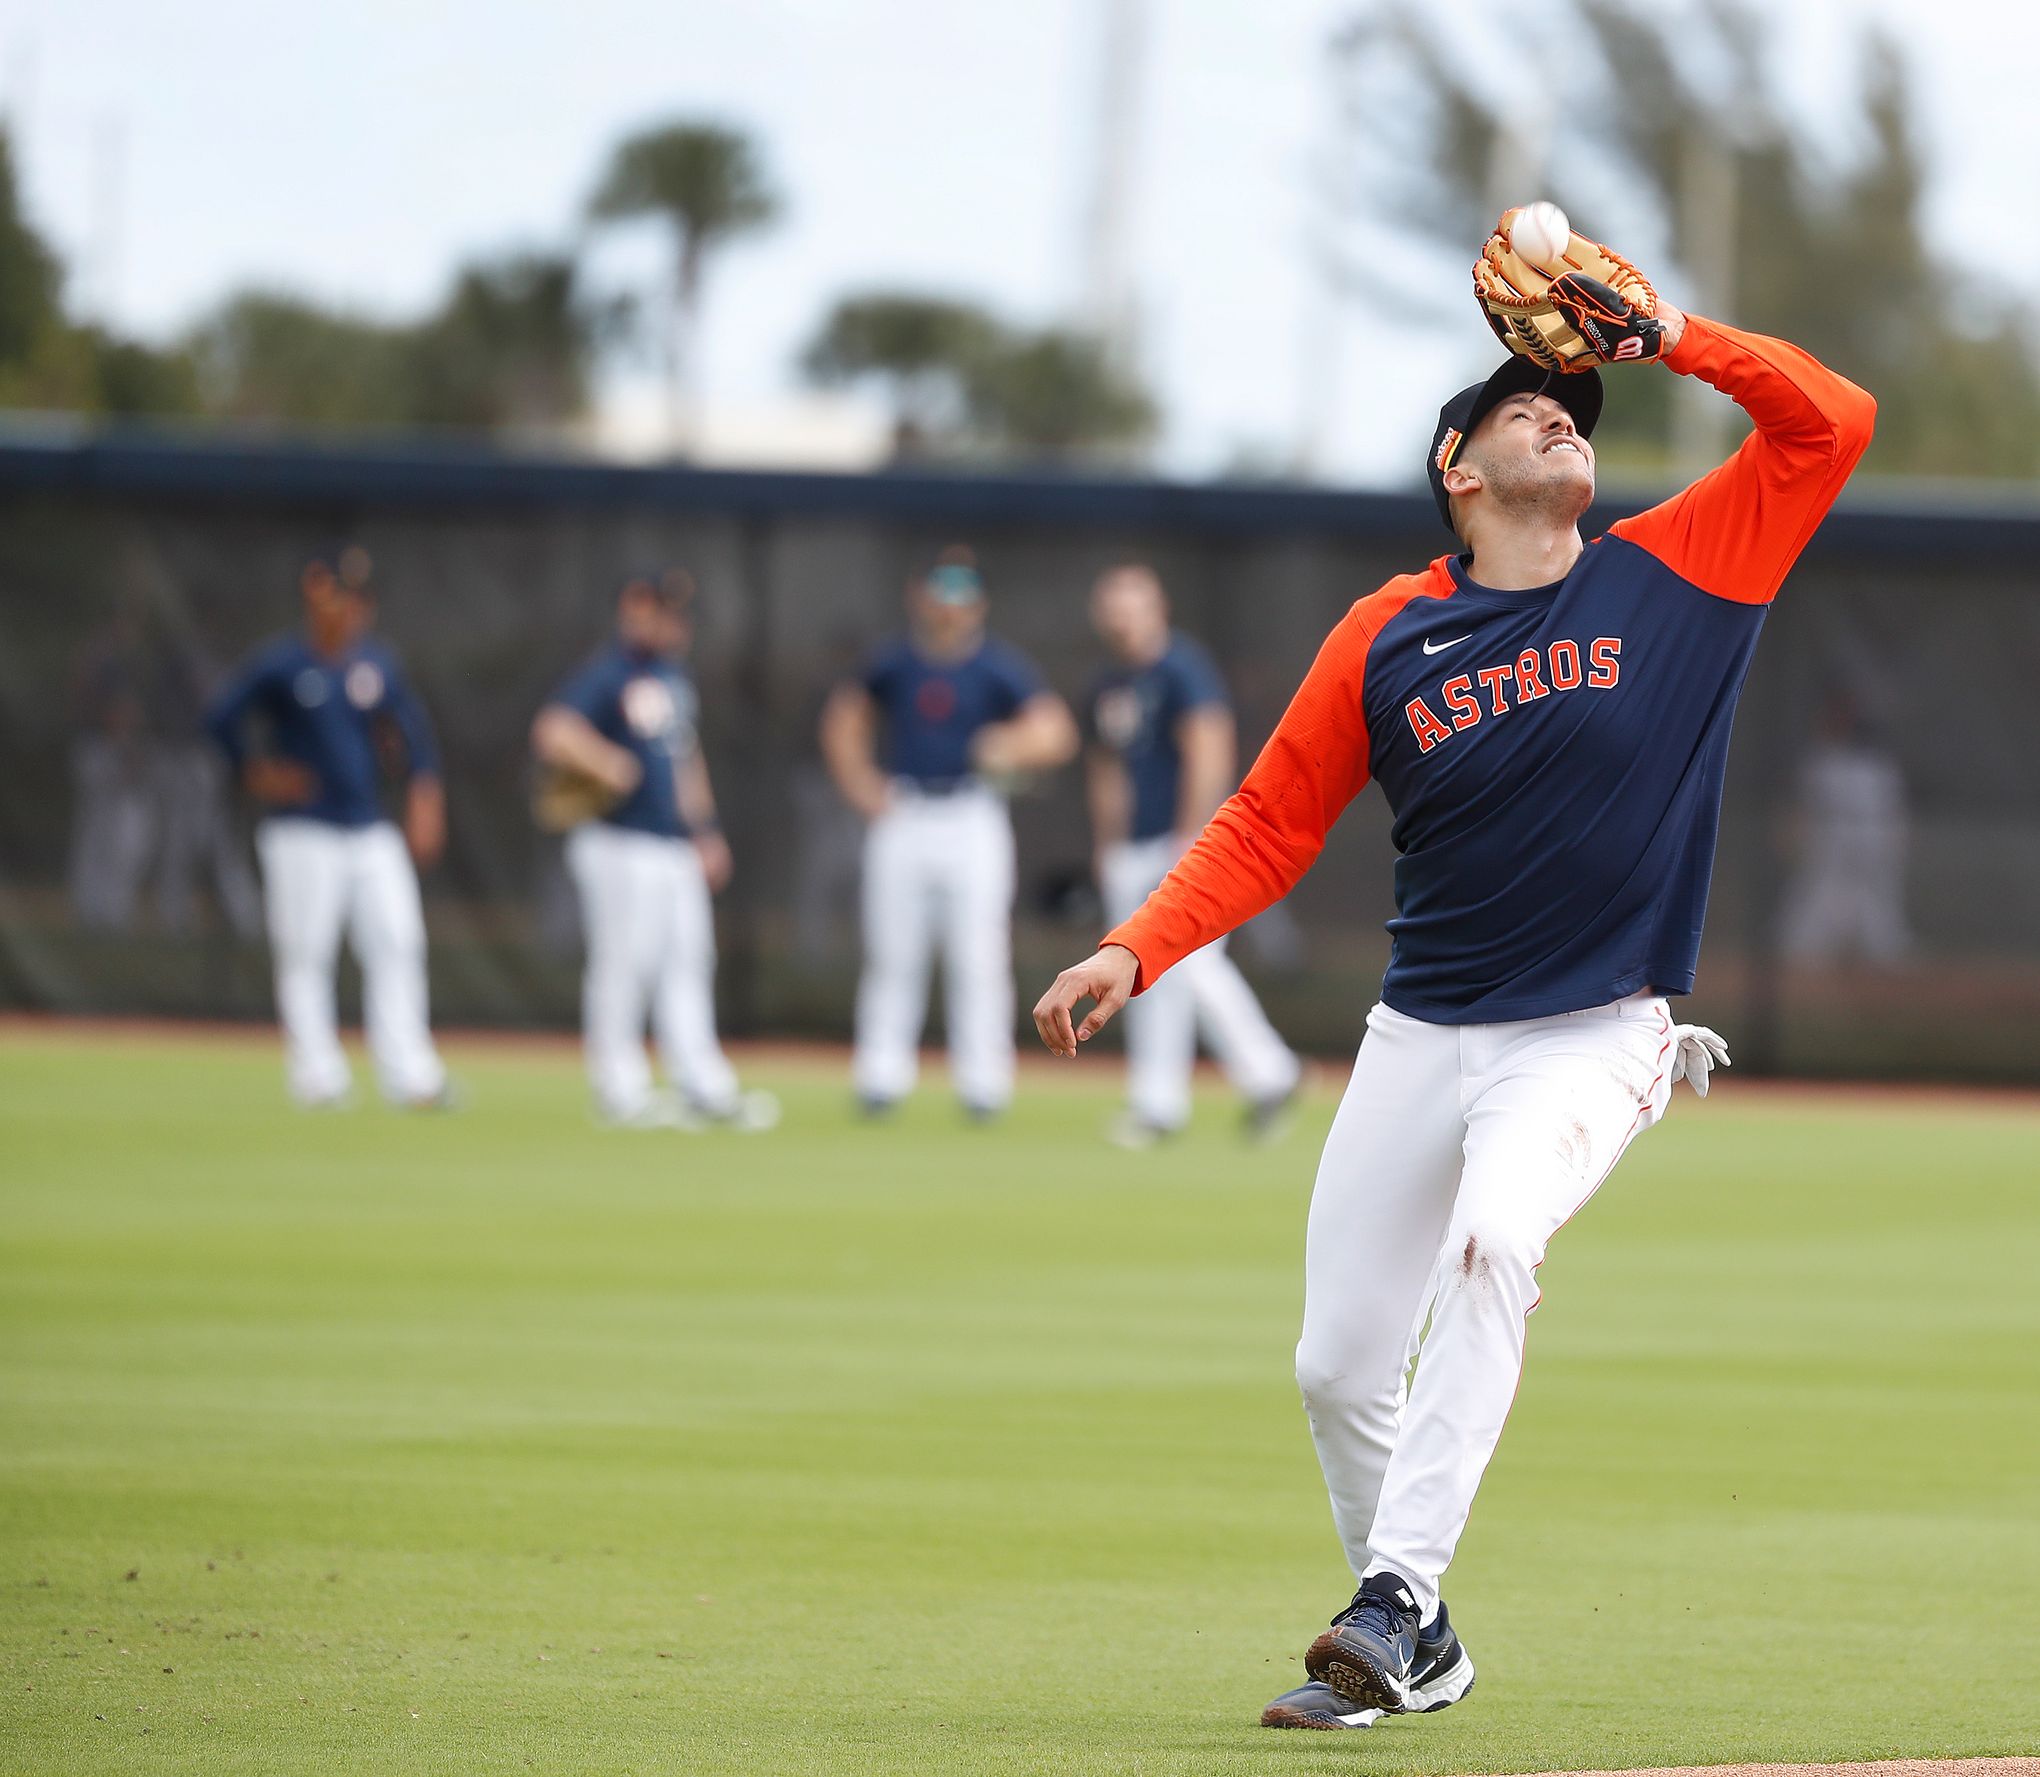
[{"x": 1877, "y": 894}]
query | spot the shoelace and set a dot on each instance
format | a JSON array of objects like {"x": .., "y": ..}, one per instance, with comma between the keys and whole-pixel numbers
[{"x": 1385, "y": 1618}]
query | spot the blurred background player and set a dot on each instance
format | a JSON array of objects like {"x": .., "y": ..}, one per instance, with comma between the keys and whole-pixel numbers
[
  {"x": 621, "y": 749},
  {"x": 1846, "y": 896},
  {"x": 1163, "y": 754},
  {"x": 915, "y": 745},
  {"x": 334, "y": 708}
]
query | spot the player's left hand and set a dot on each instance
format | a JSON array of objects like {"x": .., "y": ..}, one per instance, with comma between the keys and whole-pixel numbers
[
  {"x": 1697, "y": 1051},
  {"x": 425, "y": 821},
  {"x": 1106, "y": 977},
  {"x": 1591, "y": 307},
  {"x": 717, "y": 865}
]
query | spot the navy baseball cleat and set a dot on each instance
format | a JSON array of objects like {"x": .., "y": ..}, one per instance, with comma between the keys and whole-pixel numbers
[
  {"x": 1441, "y": 1672},
  {"x": 1370, "y": 1649}
]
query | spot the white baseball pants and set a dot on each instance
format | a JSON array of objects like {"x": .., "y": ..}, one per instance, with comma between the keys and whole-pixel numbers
[
  {"x": 1203, "y": 994},
  {"x": 938, "y": 869},
  {"x": 1457, "y": 1152},
  {"x": 316, "y": 879},
  {"x": 649, "y": 927}
]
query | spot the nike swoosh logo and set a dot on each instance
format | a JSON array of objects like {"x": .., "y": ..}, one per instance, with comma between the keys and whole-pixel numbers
[{"x": 1442, "y": 646}]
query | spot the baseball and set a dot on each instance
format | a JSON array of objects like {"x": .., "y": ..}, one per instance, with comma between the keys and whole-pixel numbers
[{"x": 1540, "y": 233}]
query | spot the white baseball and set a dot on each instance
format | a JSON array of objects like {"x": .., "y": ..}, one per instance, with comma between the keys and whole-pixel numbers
[{"x": 1540, "y": 233}]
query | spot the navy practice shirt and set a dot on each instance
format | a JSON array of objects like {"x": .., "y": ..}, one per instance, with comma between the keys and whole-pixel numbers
[
  {"x": 1552, "y": 758},
  {"x": 332, "y": 717},
  {"x": 932, "y": 708},
  {"x": 1134, "y": 713},
  {"x": 648, "y": 704}
]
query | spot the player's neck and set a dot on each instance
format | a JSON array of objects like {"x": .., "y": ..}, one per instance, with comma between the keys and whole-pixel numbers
[
  {"x": 328, "y": 642},
  {"x": 948, "y": 653},
  {"x": 1516, "y": 557},
  {"x": 1147, "y": 651}
]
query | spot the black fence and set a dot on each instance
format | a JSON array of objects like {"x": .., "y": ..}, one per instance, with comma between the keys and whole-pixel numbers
[{"x": 1877, "y": 896}]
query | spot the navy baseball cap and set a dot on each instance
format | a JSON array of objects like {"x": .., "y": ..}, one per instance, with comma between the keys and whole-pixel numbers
[{"x": 1578, "y": 392}]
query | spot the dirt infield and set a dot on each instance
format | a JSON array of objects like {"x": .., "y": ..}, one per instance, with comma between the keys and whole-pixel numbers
[{"x": 1897, "y": 1767}]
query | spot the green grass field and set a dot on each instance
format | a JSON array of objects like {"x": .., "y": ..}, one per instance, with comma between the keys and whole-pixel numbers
[{"x": 495, "y": 1443}]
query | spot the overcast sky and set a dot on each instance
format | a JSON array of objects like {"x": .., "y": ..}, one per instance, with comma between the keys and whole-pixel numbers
[{"x": 356, "y": 152}]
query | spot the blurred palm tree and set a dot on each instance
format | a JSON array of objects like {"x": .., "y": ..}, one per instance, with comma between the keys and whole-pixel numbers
[
  {"x": 921, "y": 350},
  {"x": 1058, "y": 396},
  {"x": 707, "y": 183},
  {"x": 963, "y": 384}
]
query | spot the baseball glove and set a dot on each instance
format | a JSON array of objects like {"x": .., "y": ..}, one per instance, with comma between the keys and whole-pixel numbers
[
  {"x": 1593, "y": 308},
  {"x": 561, "y": 800}
]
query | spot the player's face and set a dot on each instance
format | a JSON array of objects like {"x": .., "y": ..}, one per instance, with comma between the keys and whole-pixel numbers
[
  {"x": 1130, "y": 613},
  {"x": 648, "y": 624},
  {"x": 337, "y": 614},
  {"x": 1529, "y": 454},
  {"x": 948, "y": 626}
]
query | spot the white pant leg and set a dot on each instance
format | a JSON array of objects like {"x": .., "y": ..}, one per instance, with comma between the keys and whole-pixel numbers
[
  {"x": 387, "y": 921},
  {"x": 1553, "y": 1103},
  {"x": 1378, "y": 1216},
  {"x": 304, "y": 895},
  {"x": 1161, "y": 1023},
  {"x": 623, "y": 925},
  {"x": 977, "y": 911},
  {"x": 683, "y": 998},
  {"x": 898, "y": 920}
]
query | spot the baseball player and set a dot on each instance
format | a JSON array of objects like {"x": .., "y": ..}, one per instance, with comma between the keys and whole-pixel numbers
[
  {"x": 334, "y": 705},
  {"x": 619, "y": 747},
  {"x": 915, "y": 745},
  {"x": 1549, "y": 720},
  {"x": 1163, "y": 752}
]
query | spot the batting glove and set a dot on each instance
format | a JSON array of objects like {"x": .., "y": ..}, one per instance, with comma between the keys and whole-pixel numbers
[{"x": 1697, "y": 1052}]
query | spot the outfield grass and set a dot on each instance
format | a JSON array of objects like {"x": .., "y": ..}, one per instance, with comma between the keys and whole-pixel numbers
[{"x": 494, "y": 1443}]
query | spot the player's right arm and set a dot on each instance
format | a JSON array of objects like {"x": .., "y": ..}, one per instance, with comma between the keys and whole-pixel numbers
[
  {"x": 1250, "y": 854},
  {"x": 850, "y": 749},
  {"x": 564, "y": 735},
  {"x": 1108, "y": 795},
  {"x": 274, "y": 782}
]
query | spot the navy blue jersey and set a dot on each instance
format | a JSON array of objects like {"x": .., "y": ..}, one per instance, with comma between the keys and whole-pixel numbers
[
  {"x": 932, "y": 708},
  {"x": 336, "y": 717},
  {"x": 1552, "y": 758},
  {"x": 648, "y": 704},
  {"x": 1134, "y": 712},
  {"x": 1584, "y": 783}
]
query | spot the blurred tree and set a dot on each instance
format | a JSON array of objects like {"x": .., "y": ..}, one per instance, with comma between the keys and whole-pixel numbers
[
  {"x": 708, "y": 184},
  {"x": 962, "y": 384},
  {"x": 136, "y": 380},
  {"x": 923, "y": 351},
  {"x": 1674, "y": 128},
  {"x": 268, "y": 357},
  {"x": 1058, "y": 395},
  {"x": 29, "y": 279},
  {"x": 509, "y": 348},
  {"x": 46, "y": 361}
]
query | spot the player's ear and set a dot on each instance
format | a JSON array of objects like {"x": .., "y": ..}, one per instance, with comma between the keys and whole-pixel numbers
[{"x": 1461, "y": 479}]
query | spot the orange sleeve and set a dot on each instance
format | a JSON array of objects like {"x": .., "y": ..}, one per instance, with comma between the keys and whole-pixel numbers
[
  {"x": 1270, "y": 831},
  {"x": 1737, "y": 531}
]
